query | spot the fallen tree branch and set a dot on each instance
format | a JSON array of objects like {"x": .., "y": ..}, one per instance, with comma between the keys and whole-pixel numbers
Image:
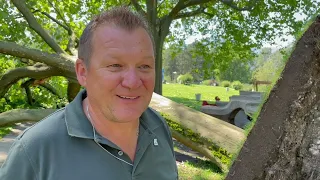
[
  {"x": 38, "y": 71},
  {"x": 61, "y": 62},
  {"x": 198, "y": 148},
  {"x": 29, "y": 95},
  {"x": 51, "y": 89},
  {"x": 222, "y": 134},
  {"x": 42, "y": 83},
  {"x": 24, "y": 115}
]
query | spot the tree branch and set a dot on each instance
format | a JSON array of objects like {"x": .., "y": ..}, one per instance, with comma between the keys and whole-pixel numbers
[
  {"x": 231, "y": 4},
  {"x": 58, "y": 12},
  {"x": 72, "y": 43},
  {"x": 190, "y": 14},
  {"x": 159, "y": 5},
  {"x": 138, "y": 7},
  {"x": 72, "y": 36},
  {"x": 37, "y": 71},
  {"x": 53, "y": 19},
  {"x": 61, "y": 62},
  {"x": 29, "y": 95},
  {"x": 22, "y": 7},
  {"x": 51, "y": 89},
  {"x": 182, "y": 4},
  {"x": 24, "y": 115},
  {"x": 208, "y": 14}
]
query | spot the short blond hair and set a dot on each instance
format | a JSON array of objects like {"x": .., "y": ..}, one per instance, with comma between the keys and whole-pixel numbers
[{"x": 120, "y": 17}]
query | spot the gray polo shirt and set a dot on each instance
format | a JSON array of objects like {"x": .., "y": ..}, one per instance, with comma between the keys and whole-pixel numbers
[{"x": 63, "y": 146}]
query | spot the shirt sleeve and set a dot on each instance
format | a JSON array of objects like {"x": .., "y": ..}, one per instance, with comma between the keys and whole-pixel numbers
[{"x": 17, "y": 165}]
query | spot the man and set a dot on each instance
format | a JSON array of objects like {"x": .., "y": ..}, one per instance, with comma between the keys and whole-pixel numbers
[{"x": 107, "y": 131}]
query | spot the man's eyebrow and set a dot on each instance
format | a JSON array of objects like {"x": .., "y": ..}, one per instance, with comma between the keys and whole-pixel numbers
[{"x": 148, "y": 57}]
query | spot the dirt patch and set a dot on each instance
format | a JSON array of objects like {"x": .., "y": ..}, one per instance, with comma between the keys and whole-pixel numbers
[{"x": 274, "y": 149}]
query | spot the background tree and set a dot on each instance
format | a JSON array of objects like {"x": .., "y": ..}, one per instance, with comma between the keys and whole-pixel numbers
[
  {"x": 183, "y": 60},
  {"x": 237, "y": 71},
  {"x": 268, "y": 63}
]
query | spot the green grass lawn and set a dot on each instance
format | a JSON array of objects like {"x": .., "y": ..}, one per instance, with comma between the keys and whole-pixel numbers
[
  {"x": 199, "y": 171},
  {"x": 185, "y": 94}
]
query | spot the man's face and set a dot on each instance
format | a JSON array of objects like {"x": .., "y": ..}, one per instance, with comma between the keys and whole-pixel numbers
[{"x": 121, "y": 76}]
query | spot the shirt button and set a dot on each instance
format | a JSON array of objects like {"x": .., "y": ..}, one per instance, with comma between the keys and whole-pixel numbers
[{"x": 120, "y": 153}]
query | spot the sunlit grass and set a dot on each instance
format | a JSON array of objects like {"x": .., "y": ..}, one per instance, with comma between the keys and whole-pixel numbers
[
  {"x": 185, "y": 94},
  {"x": 198, "y": 171}
]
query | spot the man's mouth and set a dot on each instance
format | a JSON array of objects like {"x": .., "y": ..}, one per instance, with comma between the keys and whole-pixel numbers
[{"x": 128, "y": 97}]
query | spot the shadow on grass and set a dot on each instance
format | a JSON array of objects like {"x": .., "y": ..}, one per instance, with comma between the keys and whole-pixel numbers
[
  {"x": 191, "y": 103},
  {"x": 199, "y": 170},
  {"x": 205, "y": 165},
  {"x": 5, "y": 130}
]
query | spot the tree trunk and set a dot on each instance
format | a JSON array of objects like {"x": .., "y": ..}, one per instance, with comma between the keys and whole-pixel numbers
[
  {"x": 285, "y": 141},
  {"x": 160, "y": 34},
  {"x": 158, "y": 85}
]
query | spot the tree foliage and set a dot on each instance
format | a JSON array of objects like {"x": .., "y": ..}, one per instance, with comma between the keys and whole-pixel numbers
[{"x": 268, "y": 63}]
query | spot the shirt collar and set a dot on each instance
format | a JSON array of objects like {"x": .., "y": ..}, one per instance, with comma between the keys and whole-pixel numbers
[{"x": 78, "y": 125}]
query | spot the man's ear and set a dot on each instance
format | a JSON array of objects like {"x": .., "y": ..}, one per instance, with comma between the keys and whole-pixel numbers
[{"x": 81, "y": 72}]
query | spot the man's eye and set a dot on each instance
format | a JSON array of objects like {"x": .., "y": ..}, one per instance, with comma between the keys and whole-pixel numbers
[
  {"x": 145, "y": 67},
  {"x": 115, "y": 65}
]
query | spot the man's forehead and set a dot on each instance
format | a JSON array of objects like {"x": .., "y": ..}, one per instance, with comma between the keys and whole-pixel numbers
[
  {"x": 114, "y": 37},
  {"x": 112, "y": 32}
]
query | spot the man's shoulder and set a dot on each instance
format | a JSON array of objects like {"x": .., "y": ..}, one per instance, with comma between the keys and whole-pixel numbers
[
  {"x": 155, "y": 120},
  {"x": 48, "y": 128},
  {"x": 155, "y": 116}
]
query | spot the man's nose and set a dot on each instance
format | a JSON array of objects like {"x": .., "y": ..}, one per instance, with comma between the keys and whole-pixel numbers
[{"x": 131, "y": 79}]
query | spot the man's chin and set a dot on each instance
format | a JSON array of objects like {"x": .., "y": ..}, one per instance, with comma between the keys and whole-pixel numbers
[{"x": 126, "y": 118}]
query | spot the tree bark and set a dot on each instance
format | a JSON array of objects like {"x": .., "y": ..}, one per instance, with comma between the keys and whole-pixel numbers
[{"x": 284, "y": 143}]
